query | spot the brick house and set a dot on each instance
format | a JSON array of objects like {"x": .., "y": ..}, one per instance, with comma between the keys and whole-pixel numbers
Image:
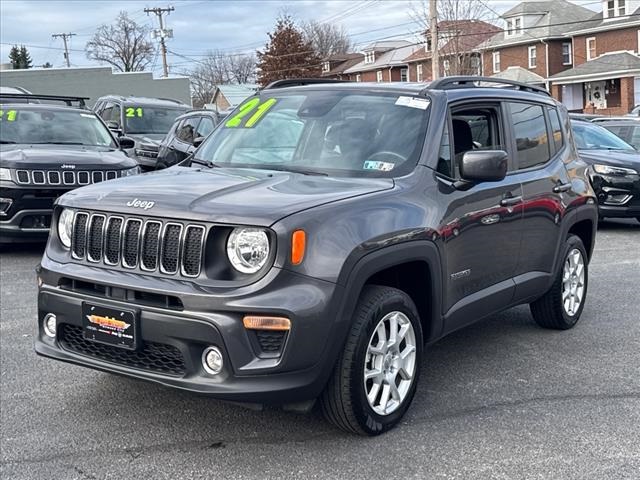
[
  {"x": 335, "y": 65},
  {"x": 605, "y": 77},
  {"x": 459, "y": 49},
  {"x": 534, "y": 39},
  {"x": 383, "y": 62}
]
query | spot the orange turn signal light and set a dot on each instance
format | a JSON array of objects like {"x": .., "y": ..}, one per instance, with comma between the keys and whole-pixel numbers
[
  {"x": 256, "y": 322},
  {"x": 298, "y": 245}
]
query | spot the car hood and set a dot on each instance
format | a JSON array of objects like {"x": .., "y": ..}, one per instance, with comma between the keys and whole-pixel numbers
[
  {"x": 220, "y": 195},
  {"x": 53, "y": 157},
  {"x": 616, "y": 158}
]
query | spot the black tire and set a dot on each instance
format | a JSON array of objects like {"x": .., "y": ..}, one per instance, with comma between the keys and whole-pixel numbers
[
  {"x": 549, "y": 311},
  {"x": 344, "y": 402}
]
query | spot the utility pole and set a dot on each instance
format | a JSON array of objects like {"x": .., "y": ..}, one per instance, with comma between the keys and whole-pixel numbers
[
  {"x": 64, "y": 36},
  {"x": 433, "y": 30},
  {"x": 162, "y": 33}
]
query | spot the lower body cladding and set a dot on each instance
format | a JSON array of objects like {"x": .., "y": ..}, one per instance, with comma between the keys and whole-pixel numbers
[
  {"x": 618, "y": 196},
  {"x": 209, "y": 352}
]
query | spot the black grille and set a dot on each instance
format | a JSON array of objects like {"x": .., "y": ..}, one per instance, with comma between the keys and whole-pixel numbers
[
  {"x": 96, "y": 177},
  {"x": 270, "y": 341},
  {"x": 94, "y": 248},
  {"x": 79, "y": 239},
  {"x": 151, "y": 356},
  {"x": 69, "y": 178},
  {"x": 54, "y": 177},
  {"x": 192, "y": 251},
  {"x": 83, "y": 178},
  {"x": 112, "y": 238},
  {"x": 150, "y": 243},
  {"x": 130, "y": 244},
  {"x": 23, "y": 176},
  {"x": 38, "y": 177},
  {"x": 170, "y": 248}
]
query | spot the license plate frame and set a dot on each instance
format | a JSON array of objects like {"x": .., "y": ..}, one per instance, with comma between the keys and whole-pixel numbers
[{"x": 111, "y": 326}]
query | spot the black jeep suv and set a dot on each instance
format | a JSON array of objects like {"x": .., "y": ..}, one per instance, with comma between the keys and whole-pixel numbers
[
  {"x": 46, "y": 150},
  {"x": 319, "y": 238}
]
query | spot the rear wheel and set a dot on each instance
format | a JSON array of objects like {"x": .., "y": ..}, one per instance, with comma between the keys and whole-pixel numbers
[
  {"x": 561, "y": 307},
  {"x": 375, "y": 378}
]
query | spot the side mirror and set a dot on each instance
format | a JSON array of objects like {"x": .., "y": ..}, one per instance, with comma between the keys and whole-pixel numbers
[
  {"x": 197, "y": 141},
  {"x": 126, "y": 143},
  {"x": 484, "y": 165}
]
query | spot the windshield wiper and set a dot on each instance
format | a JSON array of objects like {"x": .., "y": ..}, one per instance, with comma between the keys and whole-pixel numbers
[
  {"x": 303, "y": 171},
  {"x": 206, "y": 163},
  {"x": 7, "y": 141}
]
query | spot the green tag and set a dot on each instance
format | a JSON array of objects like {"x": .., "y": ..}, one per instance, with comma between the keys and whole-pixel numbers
[
  {"x": 10, "y": 115},
  {"x": 133, "y": 112},
  {"x": 253, "y": 105}
]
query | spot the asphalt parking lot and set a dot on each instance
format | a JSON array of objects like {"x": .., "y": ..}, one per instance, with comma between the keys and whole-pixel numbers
[{"x": 501, "y": 399}]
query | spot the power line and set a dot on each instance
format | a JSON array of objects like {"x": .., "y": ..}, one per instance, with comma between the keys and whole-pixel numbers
[
  {"x": 64, "y": 37},
  {"x": 162, "y": 33}
]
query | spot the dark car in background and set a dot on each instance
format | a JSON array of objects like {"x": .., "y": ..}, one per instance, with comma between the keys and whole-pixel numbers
[
  {"x": 615, "y": 169},
  {"x": 627, "y": 130},
  {"x": 145, "y": 120},
  {"x": 45, "y": 151},
  {"x": 187, "y": 132}
]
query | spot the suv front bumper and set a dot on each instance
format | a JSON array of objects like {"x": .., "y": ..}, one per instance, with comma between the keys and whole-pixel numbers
[{"x": 297, "y": 374}]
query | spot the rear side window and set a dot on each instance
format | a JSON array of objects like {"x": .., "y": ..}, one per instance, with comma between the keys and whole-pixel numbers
[
  {"x": 556, "y": 130},
  {"x": 531, "y": 136}
]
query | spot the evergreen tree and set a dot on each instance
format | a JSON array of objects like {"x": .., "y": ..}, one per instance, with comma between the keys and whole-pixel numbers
[
  {"x": 20, "y": 57},
  {"x": 14, "y": 57},
  {"x": 25, "y": 58},
  {"x": 287, "y": 55}
]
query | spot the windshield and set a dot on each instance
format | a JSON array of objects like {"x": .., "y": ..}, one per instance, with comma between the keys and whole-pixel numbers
[
  {"x": 595, "y": 137},
  {"x": 57, "y": 126},
  {"x": 140, "y": 119},
  {"x": 326, "y": 132}
]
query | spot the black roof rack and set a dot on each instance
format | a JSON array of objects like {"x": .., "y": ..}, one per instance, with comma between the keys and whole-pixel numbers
[
  {"x": 55, "y": 98},
  {"x": 448, "y": 83},
  {"x": 296, "y": 82}
]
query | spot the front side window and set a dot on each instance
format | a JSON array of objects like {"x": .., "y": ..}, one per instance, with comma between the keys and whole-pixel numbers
[
  {"x": 445, "y": 166},
  {"x": 327, "y": 132},
  {"x": 187, "y": 130},
  {"x": 530, "y": 132},
  {"x": 53, "y": 126},
  {"x": 141, "y": 119},
  {"x": 205, "y": 127}
]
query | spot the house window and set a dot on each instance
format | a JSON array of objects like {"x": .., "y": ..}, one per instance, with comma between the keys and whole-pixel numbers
[
  {"x": 496, "y": 62},
  {"x": 615, "y": 8},
  {"x": 419, "y": 72},
  {"x": 427, "y": 46},
  {"x": 404, "y": 75},
  {"x": 358, "y": 78},
  {"x": 379, "y": 75},
  {"x": 447, "y": 66},
  {"x": 621, "y": 7},
  {"x": 517, "y": 26},
  {"x": 509, "y": 27},
  {"x": 532, "y": 56},
  {"x": 369, "y": 57},
  {"x": 611, "y": 8},
  {"x": 591, "y": 48},
  {"x": 566, "y": 53},
  {"x": 326, "y": 66}
]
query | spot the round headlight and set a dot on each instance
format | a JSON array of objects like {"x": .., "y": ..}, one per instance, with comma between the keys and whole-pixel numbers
[
  {"x": 248, "y": 249},
  {"x": 65, "y": 225}
]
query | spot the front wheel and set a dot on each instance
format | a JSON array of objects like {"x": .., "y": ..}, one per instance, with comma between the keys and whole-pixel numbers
[
  {"x": 560, "y": 308},
  {"x": 376, "y": 376}
]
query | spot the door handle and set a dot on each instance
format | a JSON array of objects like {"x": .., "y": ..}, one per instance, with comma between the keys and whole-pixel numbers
[
  {"x": 510, "y": 201},
  {"x": 562, "y": 187}
]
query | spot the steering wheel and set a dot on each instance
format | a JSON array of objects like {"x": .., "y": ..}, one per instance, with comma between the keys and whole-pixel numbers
[{"x": 386, "y": 153}]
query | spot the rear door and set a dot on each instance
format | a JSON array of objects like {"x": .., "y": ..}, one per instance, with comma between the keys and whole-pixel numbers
[
  {"x": 481, "y": 229},
  {"x": 539, "y": 146}
]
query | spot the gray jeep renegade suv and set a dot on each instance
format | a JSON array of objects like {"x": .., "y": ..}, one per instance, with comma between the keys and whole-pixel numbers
[{"x": 319, "y": 239}]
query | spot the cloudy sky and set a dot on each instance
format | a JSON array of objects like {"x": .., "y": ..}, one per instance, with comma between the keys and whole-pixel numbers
[{"x": 201, "y": 26}]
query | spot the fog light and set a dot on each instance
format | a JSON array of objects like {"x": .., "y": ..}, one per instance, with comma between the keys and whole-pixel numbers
[
  {"x": 49, "y": 325},
  {"x": 5, "y": 205},
  {"x": 212, "y": 360}
]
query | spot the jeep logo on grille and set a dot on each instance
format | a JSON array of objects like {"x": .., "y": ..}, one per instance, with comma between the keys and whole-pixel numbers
[
  {"x": 144, "y": 204},
  {"x": 67, "y": 165}
]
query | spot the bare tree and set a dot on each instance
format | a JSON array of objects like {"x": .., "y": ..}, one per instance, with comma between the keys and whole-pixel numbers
[
  {"x": 218, "y": 68},
  {"x": 460, "y": 29},
  {"x": 326, "y": 38},
  {"x": 124, "y": 45}
]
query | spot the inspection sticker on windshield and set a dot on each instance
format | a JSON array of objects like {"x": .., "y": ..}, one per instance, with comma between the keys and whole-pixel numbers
[
  {"x": 413, "y": 102},
  {"x": 380, "y": 166}
]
